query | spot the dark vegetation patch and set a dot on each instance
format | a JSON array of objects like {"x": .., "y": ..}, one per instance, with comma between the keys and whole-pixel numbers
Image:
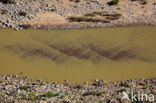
[
  {"x": 125, "y": 84},
  {"x": 50, "y": 94},
  {"x": 143, "y": 2},
  {"x": 113, "y": 16},
  {"x": 8, "y": 1},
  {"x": 86, "y": 19},
  {"x": 25, "y": 26},
  {"x": 4, "y": 11},
  {"x": 122, "y": 90},
  {"x": 77, "y": 1},
  {"x": 22, "y": 13},
  {"x": 33, "y": 96},
  {"x": 1, "y": 81},
  {"x": 103, "y": 17},
  {"x": 93, "y": 93},
  {"x": 113, "y": 2},
  {"x": 54, "y": 10},
  {"x": 143, "y": 84},
  {"x": 102, "y": 14},
  {"x": 153, "y": 92},
  {"x": 24, "y": 88}
]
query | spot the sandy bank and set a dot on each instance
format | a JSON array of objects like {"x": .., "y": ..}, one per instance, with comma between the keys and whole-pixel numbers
[{"x": 56, "y": 13}]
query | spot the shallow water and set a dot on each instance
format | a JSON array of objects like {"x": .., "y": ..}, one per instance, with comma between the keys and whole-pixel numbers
[{"x": 111, "y": 54}]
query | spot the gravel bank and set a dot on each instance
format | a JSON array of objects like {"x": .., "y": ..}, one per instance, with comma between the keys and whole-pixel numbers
[
  {"x": 132, "y": 12},
  {"x": 17, "y": 89}
]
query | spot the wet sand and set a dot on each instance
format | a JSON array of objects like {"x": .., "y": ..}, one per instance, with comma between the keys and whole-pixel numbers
[{"x": 112, "y": 54}]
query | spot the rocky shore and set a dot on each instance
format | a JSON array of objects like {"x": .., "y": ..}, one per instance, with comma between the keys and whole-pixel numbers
[
  {"x": 21, "y": 89},
  {"x": 19, "y": 14}
]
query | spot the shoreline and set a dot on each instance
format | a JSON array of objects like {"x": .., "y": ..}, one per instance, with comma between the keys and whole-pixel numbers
[
  {"x": 21, "y": 89},
  {"x": 94, "y": 26}
]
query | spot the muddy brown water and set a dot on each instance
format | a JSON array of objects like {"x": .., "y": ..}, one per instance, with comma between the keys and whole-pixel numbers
[{"x": 112, "y": 54}]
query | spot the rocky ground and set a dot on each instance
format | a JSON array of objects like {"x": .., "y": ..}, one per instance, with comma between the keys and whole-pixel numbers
[
  {"x": 17, "y": 89},
  {"x": 133, "y": 12}
]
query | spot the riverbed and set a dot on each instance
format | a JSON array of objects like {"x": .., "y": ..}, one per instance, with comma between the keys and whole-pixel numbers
[{"x": 79, "y": 55}]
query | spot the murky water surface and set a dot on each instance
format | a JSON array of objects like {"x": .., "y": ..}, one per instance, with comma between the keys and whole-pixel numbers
[{"x": 111, "y": 54}]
